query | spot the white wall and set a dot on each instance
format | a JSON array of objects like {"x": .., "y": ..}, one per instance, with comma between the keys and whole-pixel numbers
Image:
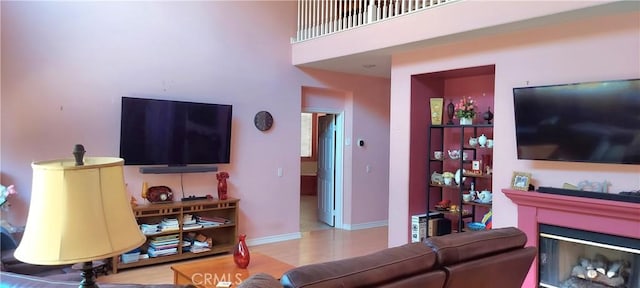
[{"x": 65, "y": 66}]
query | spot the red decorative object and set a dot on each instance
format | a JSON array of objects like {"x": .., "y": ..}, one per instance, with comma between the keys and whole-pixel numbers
[
  {"x": 241, "y": 253},
  {"x": 222, "y": 185}
]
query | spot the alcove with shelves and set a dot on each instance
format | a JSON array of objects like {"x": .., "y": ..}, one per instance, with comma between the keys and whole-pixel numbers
[
  {"x": 447, "y": 138},
  {"x": 451, "y": 85}
]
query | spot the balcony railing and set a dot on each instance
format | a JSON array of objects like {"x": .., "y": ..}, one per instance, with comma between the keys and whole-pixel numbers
[{"x": 323, "y": 17}]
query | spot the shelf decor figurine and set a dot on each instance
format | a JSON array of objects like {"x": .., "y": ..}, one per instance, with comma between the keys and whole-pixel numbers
[
  {"x": 222, "y": 185},
  {"x": 465, "y": 111},
  {"x": 488, "y": 116},
  {"x": 450, "y": 110},
  {"x": 436, "y": 110},
  {"x": 241, "y": 254}
]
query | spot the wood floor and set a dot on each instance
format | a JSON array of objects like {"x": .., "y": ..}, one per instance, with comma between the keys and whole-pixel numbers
[{"x": 314, "y": 246}]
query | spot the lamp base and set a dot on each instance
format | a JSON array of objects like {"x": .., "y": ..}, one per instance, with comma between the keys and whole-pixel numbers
[{"x": 88, "y": 279}]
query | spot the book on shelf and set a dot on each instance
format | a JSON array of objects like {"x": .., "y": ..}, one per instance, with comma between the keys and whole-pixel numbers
[
  {"x": 419, "y": 225},
  {"x": 161, "y": 252},
  {"x": 163, "y": 246},
  {"x": 206, "y": 223},
  {"x": 188, "y": 219},
  {"x": 199, "y": 249},
  {"x": 214, "y": 219},
  {"x": 191, "y": 226}
]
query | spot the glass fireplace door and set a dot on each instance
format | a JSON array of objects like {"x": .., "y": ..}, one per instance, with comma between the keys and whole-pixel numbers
[{"x": 571, "y": 258}]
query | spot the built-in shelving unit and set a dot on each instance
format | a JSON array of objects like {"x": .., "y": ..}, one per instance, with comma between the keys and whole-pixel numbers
[
  {"x": 464, "y": 132},
  {"x": 224, "y": 235}
]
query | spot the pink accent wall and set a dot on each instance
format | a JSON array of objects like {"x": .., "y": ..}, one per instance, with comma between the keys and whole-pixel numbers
[{"x": 67, "y": 64}]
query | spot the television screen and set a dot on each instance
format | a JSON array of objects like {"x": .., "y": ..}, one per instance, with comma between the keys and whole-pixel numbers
[
  {"x": 584, "y": 122},
  {"x": 174, "y": 133}
]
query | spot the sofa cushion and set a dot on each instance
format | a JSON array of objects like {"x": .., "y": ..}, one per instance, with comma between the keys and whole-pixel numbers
[
  {"x": 502, "y": 270},
  {"x": 459, "y": 247},
  {"x": 260, "y": 280},
  {"x": 373, "y": 270}
]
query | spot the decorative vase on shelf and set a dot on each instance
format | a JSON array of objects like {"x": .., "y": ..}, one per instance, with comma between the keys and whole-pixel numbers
[
  {"x": 222, "y": 185},
  {"x": 482, "y": 140},
  {"x": 488, "y": 115},
  {"x": 241, "y": 253},
  {"x": 466, "y": 121},
  {"x": 450, "y": 110}
]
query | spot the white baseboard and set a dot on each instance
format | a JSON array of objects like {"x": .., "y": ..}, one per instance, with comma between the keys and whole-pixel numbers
[
  {"x": 273, "y": 239},
  {"x": 365, "y": 225}
]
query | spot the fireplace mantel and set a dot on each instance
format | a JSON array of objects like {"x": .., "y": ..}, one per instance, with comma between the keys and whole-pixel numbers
[{"x": 596, "y": 215}]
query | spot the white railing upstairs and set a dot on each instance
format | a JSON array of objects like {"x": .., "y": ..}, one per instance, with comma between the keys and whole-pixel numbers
[{"x": 322, "y": 17}]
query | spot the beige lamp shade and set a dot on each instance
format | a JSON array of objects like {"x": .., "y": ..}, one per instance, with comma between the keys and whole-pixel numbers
[{"x": 78, "y": 213}]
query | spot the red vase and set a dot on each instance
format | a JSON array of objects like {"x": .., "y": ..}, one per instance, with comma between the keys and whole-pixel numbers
[
  {"x": 222, "y": 189},
  {"x": 241, "y": 253}
]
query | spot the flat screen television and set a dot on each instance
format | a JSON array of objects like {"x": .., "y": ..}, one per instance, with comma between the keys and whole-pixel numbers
[
  {"x": 174, "y": 133},
  {"x": 596, "y": 122}
]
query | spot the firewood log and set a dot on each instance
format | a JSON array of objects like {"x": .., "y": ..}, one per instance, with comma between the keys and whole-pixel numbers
[
  {"x": 600, "y": 263},
  {"x": 579, "y": 271},
  {"x": 614, "y": 268}
]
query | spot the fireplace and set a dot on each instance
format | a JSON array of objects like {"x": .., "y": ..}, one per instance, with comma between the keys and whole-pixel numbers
[
  {"x": 608, "y": 220},
  {"x": 582, "y": 259}
]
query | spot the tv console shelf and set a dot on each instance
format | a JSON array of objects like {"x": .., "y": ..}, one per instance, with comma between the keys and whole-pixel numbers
[
  {"x": 224, "y": 236},
  {"x": 178, "y": 169}
]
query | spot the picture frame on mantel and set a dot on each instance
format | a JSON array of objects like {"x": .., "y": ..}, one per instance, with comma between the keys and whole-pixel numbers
[{"x": 520, "y": 181}]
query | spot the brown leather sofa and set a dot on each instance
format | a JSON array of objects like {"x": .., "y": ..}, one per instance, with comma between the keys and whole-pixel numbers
[{"x": 479, "y": 259}]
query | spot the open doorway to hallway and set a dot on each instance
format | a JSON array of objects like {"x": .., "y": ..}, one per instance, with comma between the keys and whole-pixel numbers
[{"x": 319, "y": 170}]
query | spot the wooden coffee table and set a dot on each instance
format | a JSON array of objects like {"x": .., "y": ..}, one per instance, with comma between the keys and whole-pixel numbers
[{"x": 207, "y": 273}]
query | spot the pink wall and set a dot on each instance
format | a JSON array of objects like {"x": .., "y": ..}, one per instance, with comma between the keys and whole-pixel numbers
[
  {"x": 577, "y": 50},
  {"x": 66, "y": 64},
  {"x": 362, "y": 102}
]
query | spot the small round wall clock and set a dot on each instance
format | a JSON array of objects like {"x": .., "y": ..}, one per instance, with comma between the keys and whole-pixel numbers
[{"x": 263, "y": 120}]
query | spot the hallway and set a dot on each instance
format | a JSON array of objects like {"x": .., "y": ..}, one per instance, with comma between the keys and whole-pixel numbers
[{"x": 309, "y": 214}]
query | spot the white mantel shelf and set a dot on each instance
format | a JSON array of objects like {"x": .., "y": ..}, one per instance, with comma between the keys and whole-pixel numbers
[{"x": 596, "y": 215}]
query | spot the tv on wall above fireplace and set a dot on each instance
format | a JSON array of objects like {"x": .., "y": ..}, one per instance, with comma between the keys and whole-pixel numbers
[{"x": 595, "y": 122}]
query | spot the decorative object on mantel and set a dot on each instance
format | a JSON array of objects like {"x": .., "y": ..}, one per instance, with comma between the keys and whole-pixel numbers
[
  {"x": 521, "y": 181},
  {"x": 625, "y": 196},
  {"x": 222, "y": 185},
  {"x": 450, "y": 111},
  {"x": 593, "y": 186},
  {"x": 488, "y": 116},
  {"x": 465, "y": 111}
]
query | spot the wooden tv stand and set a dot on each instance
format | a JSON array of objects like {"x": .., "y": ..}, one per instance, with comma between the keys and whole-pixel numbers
[{"x": 224, "y": 236}]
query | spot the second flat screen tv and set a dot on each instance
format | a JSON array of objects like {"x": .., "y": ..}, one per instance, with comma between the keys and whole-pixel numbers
[
  {"x": 595, "y": 122},
  {"x": 174, "y": 133}
]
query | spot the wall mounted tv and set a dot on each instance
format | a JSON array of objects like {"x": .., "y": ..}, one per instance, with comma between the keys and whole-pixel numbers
[
  {"x": 174, "y": 133},
  {"x": 595, "y": 122}
]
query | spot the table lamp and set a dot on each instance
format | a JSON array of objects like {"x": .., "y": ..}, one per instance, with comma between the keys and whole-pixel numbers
[{"x": 79, "y": 212}]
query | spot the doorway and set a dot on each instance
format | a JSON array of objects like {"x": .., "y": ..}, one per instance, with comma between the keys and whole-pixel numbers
[{"x": 321, "y": 172}]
